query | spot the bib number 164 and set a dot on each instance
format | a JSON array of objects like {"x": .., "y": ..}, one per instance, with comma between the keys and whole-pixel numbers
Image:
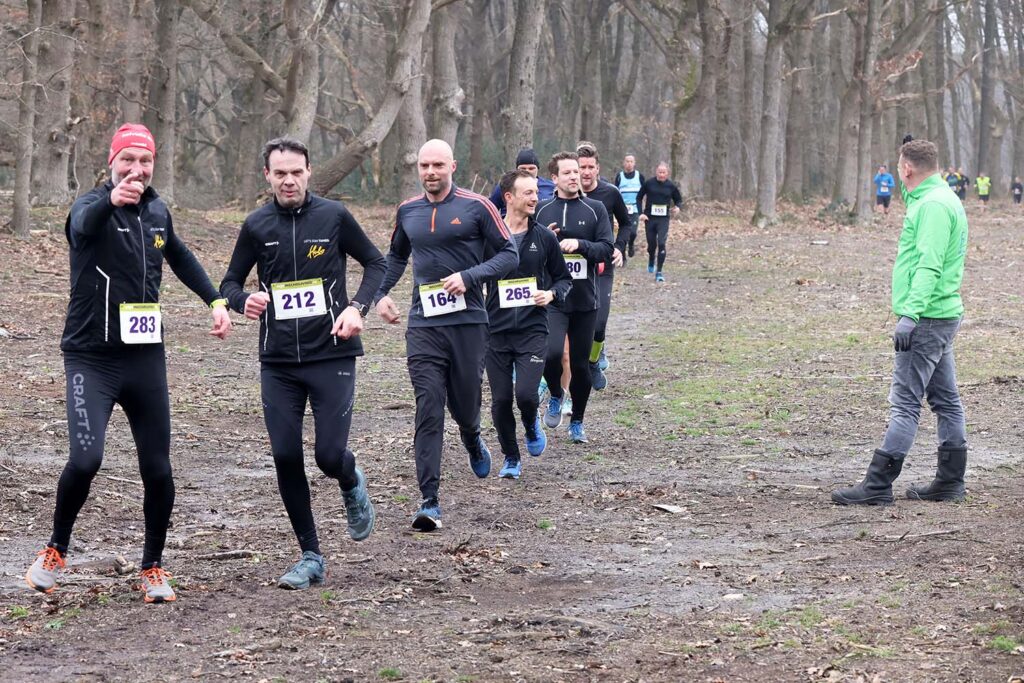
[{"x": 436, "y": 301}]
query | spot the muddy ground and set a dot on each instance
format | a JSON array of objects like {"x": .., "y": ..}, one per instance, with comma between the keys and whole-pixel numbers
[{"x": 740, "y": 393}]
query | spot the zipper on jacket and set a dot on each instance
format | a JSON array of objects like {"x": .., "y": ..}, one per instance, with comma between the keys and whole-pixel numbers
[
  {"x": 433, "y": 215},
  {"x": 295, "y": 274},
  {"x": 142, "y": 241}
]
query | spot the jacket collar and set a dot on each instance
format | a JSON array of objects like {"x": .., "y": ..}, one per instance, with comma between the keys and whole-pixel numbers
[
  {"x": 294, "y": 211},
  {"x": 929, "y": 183}
]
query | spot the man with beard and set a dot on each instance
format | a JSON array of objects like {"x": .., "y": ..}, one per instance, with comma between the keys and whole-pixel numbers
[
  {"x": 445, "y": 231},
  {"x": 119, "y": 235},
  {"x": 659, "y": 193},
  {"x": 518, "y": 321}
]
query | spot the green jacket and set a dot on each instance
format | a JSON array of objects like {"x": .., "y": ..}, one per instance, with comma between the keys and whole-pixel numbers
[
  {"x": 984, "y": 185},
  {"x": 930, "y": 259}
]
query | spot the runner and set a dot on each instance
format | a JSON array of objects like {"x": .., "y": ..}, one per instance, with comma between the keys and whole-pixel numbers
[
  {"x": 629, "y": 181},
  {"x": 1016, "y": 190},
  {"x": 953, "y": 180},
  {"x": 309, "y": 339},
  {"x": 585, "y": 237},
  {"x": 963, "y": 184},
  {"x": 597, "y": 188},
  {"x": 119, "y": 235},
  {"x": 884, "y": 183},
  {"x": 659, "y": 192},
  {"x": 445, "y": 231},
  {"x": 984, "y": 185},
  {"x": 926, "y": 281},
  {"x": 518, "y": 321},
  {"x": 527, "y": 161}
]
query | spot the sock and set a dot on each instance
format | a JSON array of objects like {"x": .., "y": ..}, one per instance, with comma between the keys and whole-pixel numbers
[{"x": 595, "y": 351}]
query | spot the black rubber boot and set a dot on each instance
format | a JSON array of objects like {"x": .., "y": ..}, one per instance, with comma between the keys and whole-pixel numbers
[
  {"x": 948, "y": 484},
  {"x": 876, "y": 489}
]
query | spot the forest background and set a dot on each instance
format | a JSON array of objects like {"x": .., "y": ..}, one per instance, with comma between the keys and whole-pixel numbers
[{"x": 801, "y": 99}]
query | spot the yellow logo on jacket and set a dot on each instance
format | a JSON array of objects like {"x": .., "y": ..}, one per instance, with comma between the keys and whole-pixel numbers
[
  {"x": 158, "y": 242},
  {"x": 315, "y": 251}
]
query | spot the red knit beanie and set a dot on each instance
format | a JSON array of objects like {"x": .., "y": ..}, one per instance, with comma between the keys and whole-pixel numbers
[{"x": 133, "y": 135}]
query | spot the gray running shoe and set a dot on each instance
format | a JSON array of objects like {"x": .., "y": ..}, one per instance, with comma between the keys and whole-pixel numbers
[
  {"x": 156, "y": 586},
  {"x": 359, "y": 509},
  {"x": 42, "y": 575},
  {"x": 310, "y": 569}
]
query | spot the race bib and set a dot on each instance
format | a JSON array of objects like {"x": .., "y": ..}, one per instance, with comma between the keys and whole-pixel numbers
[
  {"x": 659, "y": 209},
  {"x": 436, "y": 301},
  {"x": 515, "y": 293},
  {"x": 299, "y": 299},
  {"x": 140, "y": 323},
  {"x": 630, "y": 209},
  {"x": 577, "y": 266},
  {"x": 883, "y": 187}
]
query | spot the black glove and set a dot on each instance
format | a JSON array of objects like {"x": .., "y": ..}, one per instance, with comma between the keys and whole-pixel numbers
[
  {"x": 904, "y": 330},
  {"x": 907, "y": 138}
]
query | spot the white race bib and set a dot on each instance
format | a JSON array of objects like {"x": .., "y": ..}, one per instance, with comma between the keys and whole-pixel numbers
[
  {"x": 577, "y": 265},
  {"x": 630, "y": 209},
  {"x": 515, "y": 293},
  {"x": 883, "y": 187},
  {"x": 659, "y": 209},
  {"x": 299, "y": 299},
  {"x": 436, "y": 301},
  {"x": 140, "y": 323}
]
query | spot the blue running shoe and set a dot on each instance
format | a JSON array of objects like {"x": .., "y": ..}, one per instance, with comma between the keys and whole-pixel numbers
[
  {"x": 659, "y": 277},
  {"x": 479, "y": 458},
  {"x": 553, "y": 415},
  {"x": 597, "y": 378},
  {"x": 310, "y": 569},
  {"x": 602, "y": 361},
  {"x": 536, "y": 441},
  {"x": 566, "y": 404},
  {"x": 429, "y": 516},
  {"x": 576, "y": 432},
  {"x": 359, "y": 509},
  {"x": 542, "y": 389},
  {"x": 512, "y": 468},
  {"x": 650, "y": 267}
]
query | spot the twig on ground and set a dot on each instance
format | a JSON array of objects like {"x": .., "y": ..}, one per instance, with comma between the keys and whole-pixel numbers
[
  {"x": 122, "y": 479},
  {"x": 228, "y": 555}
]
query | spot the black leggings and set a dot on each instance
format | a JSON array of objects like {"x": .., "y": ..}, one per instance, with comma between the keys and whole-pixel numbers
[
  {"x": 657, "y": 237},
  {"x": 579, "y": 327},
  {"x": 604, "y": 302},
  {"x": 136, "y": 379},
  {"x": 329, "y": 385},
  {"x": 634, "y": 220},
  {"x": 524, "y": 353}
]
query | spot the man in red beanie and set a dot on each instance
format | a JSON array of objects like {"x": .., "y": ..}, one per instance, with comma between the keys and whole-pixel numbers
[{"x": 119, "y": 235}]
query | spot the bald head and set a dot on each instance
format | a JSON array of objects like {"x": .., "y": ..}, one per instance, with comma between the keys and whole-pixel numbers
[{"x": 436, "y": 164}]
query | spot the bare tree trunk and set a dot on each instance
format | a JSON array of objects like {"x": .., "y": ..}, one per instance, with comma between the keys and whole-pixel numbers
[
  {"x": 954, "y": 96},
  {"x": 798, "y": 121},
  {"x": 448, "y": 95},
  {"x": 53, "y": 103},
  {"x": 864, "y": 205},
  {"x": 938, "y": 71},
  {"x": 26, "y": 121},
  {"x": 522, "y": 79},
  {"x": 250, "y": 143},
  {"x": 163, "y": 96},
  {"x": 134, "y": 67},
  {"x": 747, "y": 122},
  {"x": 768, "y": 149},
  {"x": 402, "y": 76},
  {"x": 720, "y": 146},
  {"x": 985, "y": 119},
  {"x": 411, "y": 133}
]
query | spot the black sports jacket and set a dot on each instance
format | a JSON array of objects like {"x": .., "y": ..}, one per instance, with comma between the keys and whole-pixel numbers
[
  {"x": 307, "y": 242},
  {"x": 586, "y": 220}
]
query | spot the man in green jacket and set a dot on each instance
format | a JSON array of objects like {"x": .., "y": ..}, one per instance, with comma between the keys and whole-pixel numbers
[{"x": 926, "y": 300}]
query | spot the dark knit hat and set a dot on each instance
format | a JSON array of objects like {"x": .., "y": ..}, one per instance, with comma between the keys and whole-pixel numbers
[{"x": 527, "y": 156}]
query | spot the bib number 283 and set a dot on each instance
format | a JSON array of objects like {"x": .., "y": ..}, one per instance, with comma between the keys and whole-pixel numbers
[{"x": 140, "y": 323}]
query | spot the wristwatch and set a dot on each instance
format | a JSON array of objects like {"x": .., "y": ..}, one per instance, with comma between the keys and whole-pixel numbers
[{"x": 362, "y": 308}]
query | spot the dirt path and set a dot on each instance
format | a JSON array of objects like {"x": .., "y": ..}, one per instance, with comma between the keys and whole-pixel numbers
[{"x": 741, "y": 392}]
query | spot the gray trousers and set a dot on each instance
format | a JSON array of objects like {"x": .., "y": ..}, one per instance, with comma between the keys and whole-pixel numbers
[{"x": 926, "y": 370}]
